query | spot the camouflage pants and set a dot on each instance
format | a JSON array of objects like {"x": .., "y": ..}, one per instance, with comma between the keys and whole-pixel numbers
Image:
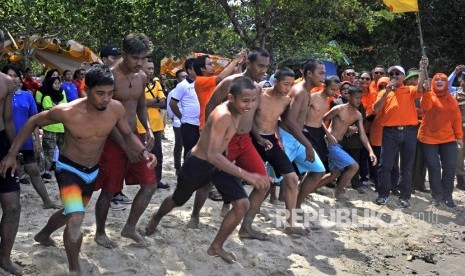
[{"x": 49, "y": 141}]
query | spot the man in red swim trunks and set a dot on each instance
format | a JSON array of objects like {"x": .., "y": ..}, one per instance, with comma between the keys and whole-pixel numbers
[{"x": 117, "y": 163}]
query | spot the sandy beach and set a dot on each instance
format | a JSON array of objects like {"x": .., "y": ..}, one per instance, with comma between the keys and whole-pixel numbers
[{"x": 353, "y": 238}]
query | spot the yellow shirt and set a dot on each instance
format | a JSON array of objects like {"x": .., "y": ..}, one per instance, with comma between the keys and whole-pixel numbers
[{"x": 156, "y": 120}]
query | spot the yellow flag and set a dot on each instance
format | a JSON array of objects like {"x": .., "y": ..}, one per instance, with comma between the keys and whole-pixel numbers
[{"x": 399, "y": 6}]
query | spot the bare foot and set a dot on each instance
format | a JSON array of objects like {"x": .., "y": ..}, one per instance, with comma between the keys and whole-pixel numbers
[
  {"x": 151, "y": 227},
  {"x": 44, "y": 240},
  {"x": 341, "y": 197},
  {"x": 52, "y": 205},
  {"x": 9, "y": 266},
  {"x": 296, "y": 231},
  {"x": 193, "y": 223},
  {"x": 252, "y": 234},
  {"x": 274, "y": 201},
  {"x": 131, "y": 233},
  {"x": 225, "y": 210},
  {"x": 225, "y": 255},
  {"x": 104, "y": 240}
]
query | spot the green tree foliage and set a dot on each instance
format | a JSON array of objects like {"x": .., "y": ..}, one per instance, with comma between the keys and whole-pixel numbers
[{"x": 363, "y": 29}]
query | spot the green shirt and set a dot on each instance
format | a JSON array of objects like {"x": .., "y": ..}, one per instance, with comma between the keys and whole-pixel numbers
[{"x": 47, "y": 103}]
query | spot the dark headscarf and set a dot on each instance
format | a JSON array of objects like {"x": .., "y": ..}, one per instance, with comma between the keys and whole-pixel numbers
[
  {"x": 56, "y": 95},
  {"x": 48, "y": 75}
]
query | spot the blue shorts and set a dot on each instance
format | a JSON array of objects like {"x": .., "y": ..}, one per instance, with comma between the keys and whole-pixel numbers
[
  {"x": 296, "y": 153},
  {"x": 338, "y": 158}
]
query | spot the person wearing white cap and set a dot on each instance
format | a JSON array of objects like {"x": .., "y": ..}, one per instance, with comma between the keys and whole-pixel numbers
[{"x": 397, "y": 103}]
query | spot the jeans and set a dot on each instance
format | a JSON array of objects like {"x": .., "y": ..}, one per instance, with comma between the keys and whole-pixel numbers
[
  {"x": 403, "y": 141},
  {"x": 177, "y": 150},
  {"x": 419, "y": 169},
  {"x": 190, "y": 135},
  {"x": 441, "y": 156},
  {"x": 394, "y": 173},
  {"x": 367, "y": 170}
]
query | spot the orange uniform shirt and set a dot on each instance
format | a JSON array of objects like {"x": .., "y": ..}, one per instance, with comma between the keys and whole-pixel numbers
[
  {"x": 399, "y": 107},
  {"x": 368, "y": 100},
  {"x": 374, "y": 86},
  {"x": 442, "y": 120},
  {"x": 204, "y": 87},
  {"x": 376, "y": 131}
]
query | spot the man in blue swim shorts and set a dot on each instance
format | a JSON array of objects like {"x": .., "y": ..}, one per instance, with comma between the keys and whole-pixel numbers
[{"x": 341, "y": 117}]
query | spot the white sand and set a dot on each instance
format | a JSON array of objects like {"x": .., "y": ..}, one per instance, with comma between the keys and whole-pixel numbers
[{"x": 375, "y": 249}]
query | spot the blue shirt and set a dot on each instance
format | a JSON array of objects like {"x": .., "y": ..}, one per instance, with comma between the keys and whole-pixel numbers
[
  {"x": 70, "y": 90},
  {"x": 24, "y": 106}
]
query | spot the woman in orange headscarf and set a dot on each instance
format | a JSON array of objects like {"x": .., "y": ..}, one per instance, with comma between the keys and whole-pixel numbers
[{"x": 440, "y": 133}]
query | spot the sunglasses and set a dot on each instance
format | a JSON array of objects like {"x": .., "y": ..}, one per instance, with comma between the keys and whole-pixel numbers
[
  {"x": 378, "y": 73},
  {"x": 381, "y": 87},
  {"x": 350, "y": 74},
  {"x": 365, "y": 79},
  {"x": 396, "y": 73}
]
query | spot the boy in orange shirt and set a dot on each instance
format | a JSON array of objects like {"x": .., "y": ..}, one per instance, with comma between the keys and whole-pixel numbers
[{"x": 206, "y": 80}]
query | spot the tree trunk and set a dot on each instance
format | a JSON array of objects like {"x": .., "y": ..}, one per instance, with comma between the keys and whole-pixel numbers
[{"x": 262, "y": 23}]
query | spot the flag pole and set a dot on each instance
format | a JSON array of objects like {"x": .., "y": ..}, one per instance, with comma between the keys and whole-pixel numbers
[{"x": 422, "y": 44}]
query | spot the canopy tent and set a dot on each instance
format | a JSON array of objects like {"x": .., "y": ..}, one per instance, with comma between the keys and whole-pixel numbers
[
  {"x": 50, "y": 53},
  {"x": 172, "y": 64}
]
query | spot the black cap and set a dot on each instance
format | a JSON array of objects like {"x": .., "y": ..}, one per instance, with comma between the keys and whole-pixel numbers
[{"x": 109, "y": 51}]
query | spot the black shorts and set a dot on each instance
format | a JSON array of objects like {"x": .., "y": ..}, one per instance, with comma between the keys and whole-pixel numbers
[
  {"x": 316, "y": 136},
  {"x": 8, "y": 183},
  {"x": 196, "y": 173},
  {"x": 275, "y": 156},
  {"x": 28, "y": 156},
  {"x": 76, "y": 183}
]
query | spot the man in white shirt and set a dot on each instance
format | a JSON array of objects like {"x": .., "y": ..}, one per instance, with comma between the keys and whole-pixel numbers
[
  {"x": 177, "y": 149},
  {"x": 185, "y": 105}
]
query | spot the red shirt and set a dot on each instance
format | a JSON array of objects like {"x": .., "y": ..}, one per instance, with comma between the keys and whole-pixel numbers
[{"x": 31, "y": 84}]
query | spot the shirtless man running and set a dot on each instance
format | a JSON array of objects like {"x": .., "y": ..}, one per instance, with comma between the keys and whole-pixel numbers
[
  {"x": 206, "y": 163},
  {"x": 9, "y": 185},
  {"x": 241, "y": 149},
  {"x": 296, "y": 145},
  {"x": 273, "y": 103},
  {"x": 342, "y": 117},
  {"x": 117, "y": 163},
  {"x": 88, "y": 122},
  {"x": 316, "y": 132}
]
